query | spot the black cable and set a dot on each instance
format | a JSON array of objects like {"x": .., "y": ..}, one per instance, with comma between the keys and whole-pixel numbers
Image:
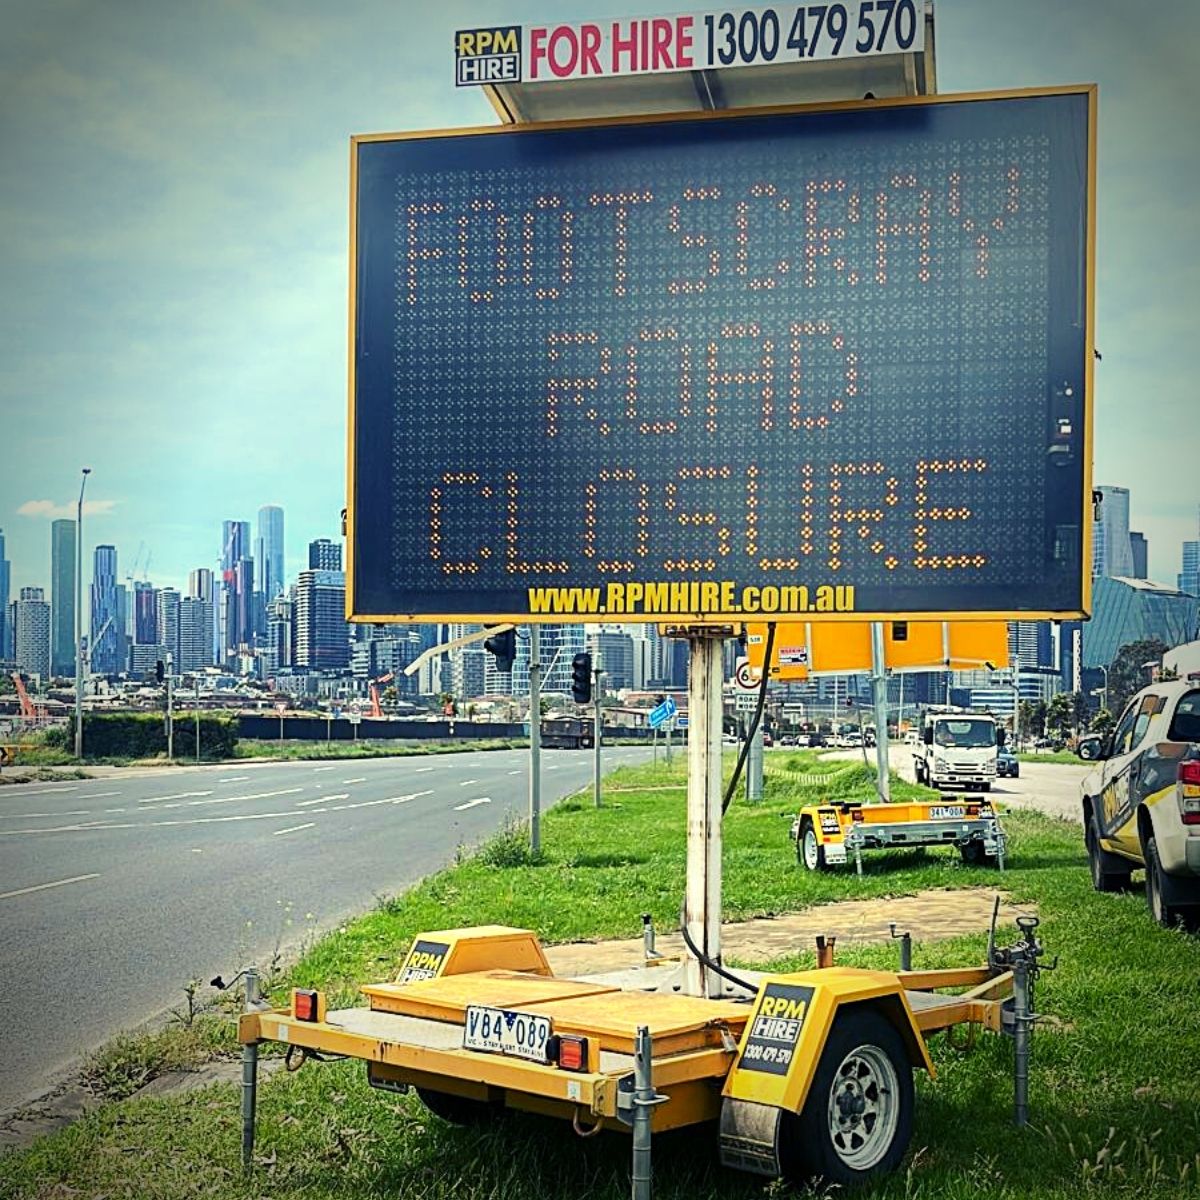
[
  {"x": 705, "y": 960},
  {"x": 758, "y": 712}
]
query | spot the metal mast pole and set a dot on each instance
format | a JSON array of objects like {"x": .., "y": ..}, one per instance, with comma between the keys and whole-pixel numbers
[
  {"x": 597, "y": 731},
  {"x": 535, "y": 739},
  {"x": 883, "y": 782},
  {"x": 702, "y": 902},
  {"x": 170, "y": 708},
  {"x": 79, "y": 617}
]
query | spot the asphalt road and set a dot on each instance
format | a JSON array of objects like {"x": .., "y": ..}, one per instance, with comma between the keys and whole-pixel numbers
[{"x": 114, "y": 892}]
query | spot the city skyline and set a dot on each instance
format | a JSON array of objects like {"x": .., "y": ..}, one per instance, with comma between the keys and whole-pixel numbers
[{"x": 239, "y": 246}]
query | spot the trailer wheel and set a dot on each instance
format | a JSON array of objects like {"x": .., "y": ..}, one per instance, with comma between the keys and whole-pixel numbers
[
  {"x": 857, "y": 1121},
  {"x": 457, "y": 1110},
  {"x": 808, "y": 848}
]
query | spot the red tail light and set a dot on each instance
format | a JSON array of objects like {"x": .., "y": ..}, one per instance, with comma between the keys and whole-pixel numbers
[
  {"x": 572, "y": 1052},
  {"x": 1189, "y": 791},
  {"x": 304, "y": 1004}
]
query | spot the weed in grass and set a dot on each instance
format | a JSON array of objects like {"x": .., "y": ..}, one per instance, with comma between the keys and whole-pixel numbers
[{"x": 509, "y": 847}]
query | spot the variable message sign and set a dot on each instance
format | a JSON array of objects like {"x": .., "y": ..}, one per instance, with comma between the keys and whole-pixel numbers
[{"x": 822, "y": 363}]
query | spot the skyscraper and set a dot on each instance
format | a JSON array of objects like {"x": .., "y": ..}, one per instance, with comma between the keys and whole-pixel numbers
[
  {"x": 324, "y": 555},
  {"x": 6, "y": 636},
  {"x": 167, "y": 613},
  {"x": 33, "y": 633},
  {"x": 1188, "y": 578},
  {"x": 201, "y": 587},
  {"x": 145, "y": 613},
  {"x": 195, "y": 633},
  {"x": 1141, "y": 554},
  {"x": 107, "y": 640},
  {"x": 268, "y": 551},
  {"x": 1112, "y": 550},
  {"x": 62, "y": 598},
  {"x": 319, "y": 616},
  {"x": 235, "y": 549}
]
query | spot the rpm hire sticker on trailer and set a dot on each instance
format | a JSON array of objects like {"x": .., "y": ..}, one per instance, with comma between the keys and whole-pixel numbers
[
  {"x": 776, "y": 1028},
  {"x": 424, "y": 961}
]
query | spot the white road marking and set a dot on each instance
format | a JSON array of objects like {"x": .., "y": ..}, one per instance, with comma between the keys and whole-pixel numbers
[
  {"x": 421, "y": 770},
  {"x": 79, "y": 812},
  {"x": 473, "y": 803},
  {"x": 41, "y": 887},
  {"x": 237, "y": 799},
  {"x": 410, "y": 796},
  {"x": 322, "y": 800},
  {"x": 101, "y": 795},
  {"x": 177, "y": 796},
  {"x": 114, "y": 810},
  {"x": 294, "y": 829},
  {"x": 197, "y": 850},
  {"x": 466, "y": 782},
  {"x": 234, "y": 779},
  {"x": 324, "y": 768},
  {"x": 360, "y": 779},
  {"x": 514, "y": 772},
  {"x": 44, "y": 791}
]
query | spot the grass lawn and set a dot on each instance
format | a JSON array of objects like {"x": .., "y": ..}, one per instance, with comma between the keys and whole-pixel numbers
[
  {"x": 1114, "y": 1098},
  {"x": 265, "y": 748}
]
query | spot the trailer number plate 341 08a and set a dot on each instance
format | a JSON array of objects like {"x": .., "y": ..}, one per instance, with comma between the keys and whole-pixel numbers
[{"x": 499, "y": 1031}]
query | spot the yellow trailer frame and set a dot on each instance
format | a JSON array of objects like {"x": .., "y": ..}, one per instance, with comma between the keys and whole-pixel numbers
[{"x": 660, "y": 1058}]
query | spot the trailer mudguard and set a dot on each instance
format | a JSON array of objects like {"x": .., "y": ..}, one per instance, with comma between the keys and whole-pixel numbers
[{"x": 782, "y": 1045}]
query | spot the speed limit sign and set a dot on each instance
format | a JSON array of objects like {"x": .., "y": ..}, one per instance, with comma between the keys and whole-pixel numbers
[{"x": 744, "y": 676}]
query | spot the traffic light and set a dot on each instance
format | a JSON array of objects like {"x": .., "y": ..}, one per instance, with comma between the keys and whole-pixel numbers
[
  {"x": 504, "y": 646},
  {"x": 581, "y": 678},
  {"x": 160, "y": 671}
]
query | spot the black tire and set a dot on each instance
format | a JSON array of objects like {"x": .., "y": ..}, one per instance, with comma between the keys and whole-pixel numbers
[
  {"x": 1107, "y": 873},
  {"x": 809, "y": 851},
  {"x": 457, "y": 1110},
  {"x": 1167, "y": 915},
  {"x": 985, "y": 787},
  {"x": 919, "y": 770},
  {"x": 864, "y": 1064},
  {"x": 974, "y": 855}
]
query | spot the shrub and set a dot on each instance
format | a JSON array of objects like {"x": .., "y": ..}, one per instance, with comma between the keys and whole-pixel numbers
[{"x": 144, "y": 735}]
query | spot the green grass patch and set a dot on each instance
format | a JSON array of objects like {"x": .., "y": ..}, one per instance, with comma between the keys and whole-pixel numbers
[
  {"x": 289, "y": 750},
  {"x": 1113, "y": 1086},
  {"x": 1052, "y": 756}
]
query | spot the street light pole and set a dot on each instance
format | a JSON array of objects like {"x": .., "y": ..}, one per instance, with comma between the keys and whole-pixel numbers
[{"x": 79, "y": 617}]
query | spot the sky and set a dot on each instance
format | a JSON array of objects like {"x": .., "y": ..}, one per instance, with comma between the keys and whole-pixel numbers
[{"x": 174, "y": 247}]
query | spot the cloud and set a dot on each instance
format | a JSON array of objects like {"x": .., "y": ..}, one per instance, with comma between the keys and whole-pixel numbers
[{"x": 51, "y": 511}]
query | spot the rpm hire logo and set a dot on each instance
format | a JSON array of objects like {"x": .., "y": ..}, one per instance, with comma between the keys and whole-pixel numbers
[{"x": 487, "y": 56}]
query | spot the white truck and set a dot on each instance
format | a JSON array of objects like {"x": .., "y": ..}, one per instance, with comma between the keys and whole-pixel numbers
[{"x": 957, "y": 750}]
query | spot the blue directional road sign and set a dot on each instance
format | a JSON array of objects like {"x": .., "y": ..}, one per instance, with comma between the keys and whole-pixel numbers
[{"x": 664, "y": 712}]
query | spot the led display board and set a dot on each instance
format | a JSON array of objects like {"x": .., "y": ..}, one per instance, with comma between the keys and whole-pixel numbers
[{"x": 828, "y": 363}]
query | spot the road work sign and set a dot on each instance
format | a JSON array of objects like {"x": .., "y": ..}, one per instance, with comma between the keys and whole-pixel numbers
[{"x": 825, "y": 364}]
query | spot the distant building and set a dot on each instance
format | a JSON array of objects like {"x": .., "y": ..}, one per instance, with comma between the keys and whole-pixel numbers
[
  {"x": 268, "y": 551},
  {"x": 145, "y": 613},
  {"x": 612, "y": 650},
  {"x": 168, "y": 602},
  {"x": 32, "y": 625},
  {"x": 1141, "y": 554},
  {"x": 321, "y": 634},
  {"x": 62, "y": 598},
  {"x": 6, "y": 633},
  {"x": 233, "y": 607},
  {"x": 1188, "y": 579},
  {"x": 107, "y": 641},
  {"x": 277, "y": 653},
  {"x": 144, "y": 658},
  {"x": 1133, "y": 610},
  {"x": 1112, "y": 551},
  {"x": 202, "y": 586},
  {"x": 559, "y": 644},
  {"x": 1031, "y": 644},
  {"x": 195, "y": 633},
  {"x": 324, "y": 555}
]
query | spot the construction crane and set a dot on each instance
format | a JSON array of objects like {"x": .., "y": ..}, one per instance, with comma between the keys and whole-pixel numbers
[
  {"x": 376, "y": 708},
  {"x": 29, "y": 710}
]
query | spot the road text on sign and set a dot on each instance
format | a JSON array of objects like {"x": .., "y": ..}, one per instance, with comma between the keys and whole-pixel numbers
[
  {"x": 693, "y": 41},
  {"x": 806, "y": 364}
]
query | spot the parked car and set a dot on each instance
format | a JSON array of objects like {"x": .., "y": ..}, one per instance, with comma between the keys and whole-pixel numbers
[
  {"x": 1141, "y": 803},
  {"x": 1006, "y": 763}
]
